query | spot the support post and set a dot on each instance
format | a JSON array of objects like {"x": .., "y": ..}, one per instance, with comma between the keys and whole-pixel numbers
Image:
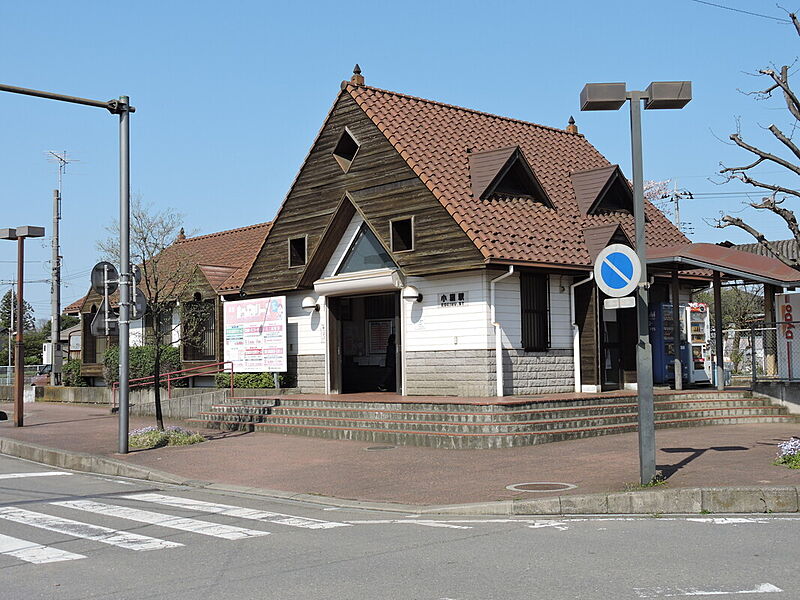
[
  {"x": 19, "y": 346},
  {"x": 55, "y": 297},
  {"x": 719, "y": 363},
  {"x": 676, "y": 330},
  {"x": 124, "y": 268},
  {"x": 644, "y": 358},
  {"x": 770, "y": 334}
]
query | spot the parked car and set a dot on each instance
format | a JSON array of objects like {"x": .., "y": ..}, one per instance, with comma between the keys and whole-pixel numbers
[{"x": 43, "y": 376}]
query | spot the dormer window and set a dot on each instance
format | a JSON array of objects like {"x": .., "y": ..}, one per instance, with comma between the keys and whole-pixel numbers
[
  {"x": 346, "y": 149},
  {"x": 504, "y": 173},
  {"x": 602, "y": 190}
]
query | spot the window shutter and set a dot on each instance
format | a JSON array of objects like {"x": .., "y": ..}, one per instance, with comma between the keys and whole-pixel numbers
[{"x": 534, "y": 303}]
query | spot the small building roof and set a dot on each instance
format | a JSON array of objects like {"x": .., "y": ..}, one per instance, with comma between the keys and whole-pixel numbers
[{"x": 733, "y": 263}]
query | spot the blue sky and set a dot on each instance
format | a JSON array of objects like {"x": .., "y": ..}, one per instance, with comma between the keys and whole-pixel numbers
[{"x": 230, "y": 95}]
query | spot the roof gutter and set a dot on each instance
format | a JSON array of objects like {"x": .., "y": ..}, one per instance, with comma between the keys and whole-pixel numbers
[
  {"x": 498, "y": 332},
  {"x": 576, "y": 333}
]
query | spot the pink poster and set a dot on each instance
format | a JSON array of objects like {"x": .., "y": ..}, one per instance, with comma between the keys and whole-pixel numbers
[{"x": 255, "y": 335}]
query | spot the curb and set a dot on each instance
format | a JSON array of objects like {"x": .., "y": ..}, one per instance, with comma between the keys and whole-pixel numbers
[{"x": 717, "y": 500}]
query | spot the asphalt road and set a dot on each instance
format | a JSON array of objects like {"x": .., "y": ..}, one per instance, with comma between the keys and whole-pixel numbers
[{"x": 72, "y": 536}]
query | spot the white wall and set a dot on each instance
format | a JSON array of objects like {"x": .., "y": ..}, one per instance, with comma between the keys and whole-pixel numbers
[
  {"x": 430, "y": 326},
  {"x": 509, "y": 313},
  {"x": 305, "y": 330}
]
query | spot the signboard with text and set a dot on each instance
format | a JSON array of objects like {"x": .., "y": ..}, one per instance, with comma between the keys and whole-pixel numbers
[
  {"x": 255, "y": 335},
  {"x": 787, "y": 305}
]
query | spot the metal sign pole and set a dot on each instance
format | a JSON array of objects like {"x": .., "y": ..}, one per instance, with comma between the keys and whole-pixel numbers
[
  {"x": 644, "y": 360},
  {"x": 124, "y": 268}
]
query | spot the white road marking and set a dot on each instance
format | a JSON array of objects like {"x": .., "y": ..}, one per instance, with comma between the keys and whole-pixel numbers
[
  {"x": 153, "y": 518},
  {"x": 34, "y": 553},
  {"x": 106, "y": 535},
  {"x": 659, "y": 592},
  {"x": 37, "y": 474},
  {"x": 425, "y": 523},
  {"x": 235, "y": 511},
  {"x": 555, "y": 524},
  {"x": 728, "y": 520}
]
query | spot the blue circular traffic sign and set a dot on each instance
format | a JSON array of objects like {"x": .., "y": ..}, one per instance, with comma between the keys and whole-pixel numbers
[{"x": 617, "y": 270}]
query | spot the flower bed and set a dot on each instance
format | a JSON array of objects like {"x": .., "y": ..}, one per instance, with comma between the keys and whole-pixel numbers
[
  {"x": 152, "y": 437},
  {"x": 789, "y": 453}
]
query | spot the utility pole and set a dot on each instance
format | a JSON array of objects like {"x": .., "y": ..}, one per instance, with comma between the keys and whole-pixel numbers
[
  {"x": 56, "y": 357},
  {"x": 677, "y": 199}
]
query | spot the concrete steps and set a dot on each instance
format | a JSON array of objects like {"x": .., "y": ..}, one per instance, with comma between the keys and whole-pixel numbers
[{"x": 454, "y": 424}]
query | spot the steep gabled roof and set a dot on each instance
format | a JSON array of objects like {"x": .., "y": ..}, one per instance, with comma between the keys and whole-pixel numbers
[
  {"x": 599, "y": 236},
  {"x": 434, "y": 139},
  {"x": 592, "y": 185},
  {"x": 75, "y": 307}
]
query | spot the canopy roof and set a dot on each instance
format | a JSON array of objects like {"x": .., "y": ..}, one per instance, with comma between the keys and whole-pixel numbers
[{"x": 733, "y": 263}]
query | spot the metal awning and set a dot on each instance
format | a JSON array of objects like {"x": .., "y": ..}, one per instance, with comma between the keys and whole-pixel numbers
[{"x": 727, "y": 261}]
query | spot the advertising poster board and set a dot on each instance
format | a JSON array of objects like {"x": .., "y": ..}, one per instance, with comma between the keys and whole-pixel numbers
[
  {"x": 788, "y": 305},
  {"x": 255, "y": 335}
]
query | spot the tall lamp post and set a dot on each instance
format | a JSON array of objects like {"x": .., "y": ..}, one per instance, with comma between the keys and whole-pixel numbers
[
  {"x": 19, "y": 234},
  {"x": 611, "y": 96},
  {"x": 123, "y": 108}
]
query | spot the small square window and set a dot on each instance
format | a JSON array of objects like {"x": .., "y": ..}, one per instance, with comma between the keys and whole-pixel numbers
[
  {"x": 345, "y": 150},
  {"x": 402, "y": 234},
  {"x": 297, "y": 252}
]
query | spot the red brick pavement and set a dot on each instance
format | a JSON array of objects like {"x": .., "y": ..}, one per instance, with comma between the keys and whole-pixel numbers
[{"x": 730, "y": 455}]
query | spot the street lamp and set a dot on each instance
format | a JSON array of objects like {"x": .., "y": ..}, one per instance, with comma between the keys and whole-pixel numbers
[
  {"x": 19, "y": 234},
  {"x": 611, "y": 96},
  {"x": 123, "y": 108}
]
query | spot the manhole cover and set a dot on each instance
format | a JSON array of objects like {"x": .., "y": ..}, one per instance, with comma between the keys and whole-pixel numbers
[
  {"x": 541, "y": 486},
  {"x": 374, "y": 448}
]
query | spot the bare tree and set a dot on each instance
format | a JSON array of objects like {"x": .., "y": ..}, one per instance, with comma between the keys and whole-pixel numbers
[
  {"x": 168, "y": 276},
  {"x": 786, "y": 157}
]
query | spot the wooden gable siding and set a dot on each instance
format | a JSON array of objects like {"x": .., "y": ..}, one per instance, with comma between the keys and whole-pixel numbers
[{"x": 381, "y": 186}]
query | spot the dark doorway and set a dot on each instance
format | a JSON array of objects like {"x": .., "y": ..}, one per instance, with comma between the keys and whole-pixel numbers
[
  {"x": 364, "y": 338},
  {"x": 618, "y": 335}
]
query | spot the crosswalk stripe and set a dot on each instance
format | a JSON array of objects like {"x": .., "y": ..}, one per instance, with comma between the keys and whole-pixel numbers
[
  {"x": 235, "y": 511},
  {"x": 106, "y": 535},
  {"x": 227, "y": 532},
  {"x": 34, "y": 553},
  {"x": 37, "y": 474}
]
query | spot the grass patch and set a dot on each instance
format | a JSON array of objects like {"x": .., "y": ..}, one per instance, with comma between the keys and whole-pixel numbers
[
  {"x": 657, "y": 480},
  {"x": 789, "y": 460},
  {"x": 152, "y": 437}
]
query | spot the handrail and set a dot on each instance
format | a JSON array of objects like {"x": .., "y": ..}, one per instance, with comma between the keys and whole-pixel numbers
[{"x": 152, "y": 379}]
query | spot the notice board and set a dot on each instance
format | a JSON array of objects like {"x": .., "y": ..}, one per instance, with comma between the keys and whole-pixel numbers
[{"x": 255, "y": 335}]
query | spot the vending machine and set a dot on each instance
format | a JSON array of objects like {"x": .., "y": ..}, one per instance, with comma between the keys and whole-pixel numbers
[
  {"x": 697, "y": 315},
  {"x": 662, "y": 332}
]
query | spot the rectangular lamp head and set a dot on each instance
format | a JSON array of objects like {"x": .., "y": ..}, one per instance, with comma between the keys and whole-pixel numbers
[
  {"x": 30, "y": 231},
  {"x": 668, "y": 94},
  {"x": 602, "y": 96},
  {"x": 9, "y": 233}
]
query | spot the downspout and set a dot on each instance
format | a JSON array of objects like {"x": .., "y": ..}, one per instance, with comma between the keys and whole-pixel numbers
[
  {"x": 498, "y": 332},
  {"x": 576, "y": 333}
]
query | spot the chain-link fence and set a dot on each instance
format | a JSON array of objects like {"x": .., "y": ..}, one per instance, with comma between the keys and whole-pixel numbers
[{"x": 764, "y": 352}]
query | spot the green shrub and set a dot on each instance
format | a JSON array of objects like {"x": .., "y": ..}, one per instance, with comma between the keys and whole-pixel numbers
[
  {"x": 152, "y": 437},
  {"x": 141, "y": 361},
  {"x": 252, "y": 380},
  {"x": 71, "y": 374}
]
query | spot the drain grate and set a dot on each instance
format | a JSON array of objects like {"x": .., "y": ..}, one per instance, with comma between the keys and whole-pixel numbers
[
  {"x": 375, "y": 448},
  {"x": 541, "y": 486}
]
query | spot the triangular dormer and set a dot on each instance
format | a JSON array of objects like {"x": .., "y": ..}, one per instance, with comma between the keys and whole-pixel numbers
[
  {"x": 600, "y": 236},
  {"x": 602, "y": 190},
  {"x": 504, "y": 173}
]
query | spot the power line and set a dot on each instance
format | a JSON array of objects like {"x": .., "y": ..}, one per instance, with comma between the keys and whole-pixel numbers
[{"x": 746, "y": 12}]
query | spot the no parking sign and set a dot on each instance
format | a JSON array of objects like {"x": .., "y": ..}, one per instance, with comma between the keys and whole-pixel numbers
[{"x": 617, "y": 270}]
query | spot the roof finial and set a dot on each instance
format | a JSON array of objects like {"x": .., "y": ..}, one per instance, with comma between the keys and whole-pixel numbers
[
  {"x": 357, "y": 78},
  {"x": 571, "y": 127},
  {"x": 181, "y": 235}
]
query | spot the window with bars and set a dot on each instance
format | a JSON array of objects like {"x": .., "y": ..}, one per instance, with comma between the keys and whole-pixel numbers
[
  {"x": 535, "y": 312},
  {"x": 199, "y": 337}
]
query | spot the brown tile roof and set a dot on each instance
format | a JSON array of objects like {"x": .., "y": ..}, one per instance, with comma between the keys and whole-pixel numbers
[
  {"x": 75, "y": 307},
  {"x": 434, "y": 139},
  {"x": 224, "y": 257}
]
